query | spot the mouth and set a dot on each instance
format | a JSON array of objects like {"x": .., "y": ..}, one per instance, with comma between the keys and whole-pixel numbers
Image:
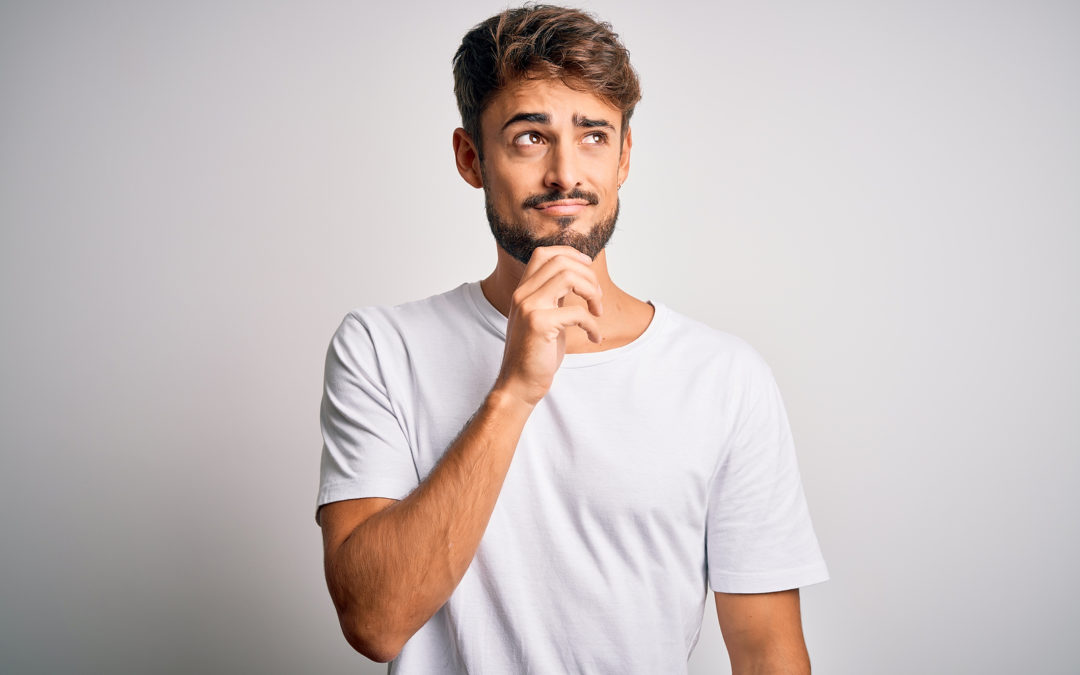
[{"x": 562, "y": 207}]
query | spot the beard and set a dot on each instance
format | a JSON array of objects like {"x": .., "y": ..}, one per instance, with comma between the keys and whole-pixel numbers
[{"x": 517, "y": 240}]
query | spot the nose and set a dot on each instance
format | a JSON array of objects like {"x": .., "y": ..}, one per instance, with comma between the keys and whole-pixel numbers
[{"x": 562, "y": 171}]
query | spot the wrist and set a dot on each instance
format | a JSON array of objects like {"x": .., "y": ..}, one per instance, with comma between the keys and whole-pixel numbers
[{"x": 504, "y": 403}]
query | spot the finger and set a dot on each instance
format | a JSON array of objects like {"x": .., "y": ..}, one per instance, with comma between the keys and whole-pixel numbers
[
  {"x": 561, "y": 318},
  {"x": 553, "y": 267},
  {"x": 561, "y": 284},
  {"x": 542, "y": 254}
]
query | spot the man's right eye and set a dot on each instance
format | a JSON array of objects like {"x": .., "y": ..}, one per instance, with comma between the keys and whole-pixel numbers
[{"x": 528, "y": 138}]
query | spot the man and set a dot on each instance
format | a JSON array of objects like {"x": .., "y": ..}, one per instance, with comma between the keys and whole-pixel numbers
[{"x": 537, "y": 472}]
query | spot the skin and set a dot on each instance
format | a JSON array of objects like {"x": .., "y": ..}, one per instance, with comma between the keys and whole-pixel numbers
[
  {"x": 524, "y": 159},
  {"x": 390, "y": 565}
]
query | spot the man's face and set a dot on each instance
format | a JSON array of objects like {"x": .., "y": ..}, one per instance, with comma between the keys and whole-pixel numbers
[{"x": 552, "y": 167}]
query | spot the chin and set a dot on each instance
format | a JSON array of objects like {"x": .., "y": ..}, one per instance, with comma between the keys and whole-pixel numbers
[{"x": 520, "y": 238}]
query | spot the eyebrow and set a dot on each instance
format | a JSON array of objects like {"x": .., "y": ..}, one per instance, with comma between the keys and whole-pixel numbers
[
  {"x": 544, "y": 118},
  {"x": 582, "y": 121},
  {"x": 535, "y": 118}
]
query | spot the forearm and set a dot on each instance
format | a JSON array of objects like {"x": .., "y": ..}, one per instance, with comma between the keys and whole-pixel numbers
[{"x": 400, "y": 565}]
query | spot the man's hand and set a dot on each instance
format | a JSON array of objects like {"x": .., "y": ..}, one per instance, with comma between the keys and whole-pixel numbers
[{"x": 537, "y": 323}]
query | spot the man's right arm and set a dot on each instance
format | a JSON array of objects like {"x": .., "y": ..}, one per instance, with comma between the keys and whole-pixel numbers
[
  {"x": 389, "y": 572},
  {"x": 390, "y": 565}
]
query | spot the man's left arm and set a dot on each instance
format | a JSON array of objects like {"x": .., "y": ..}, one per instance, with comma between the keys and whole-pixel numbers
[{"x": 763, "y": 633}]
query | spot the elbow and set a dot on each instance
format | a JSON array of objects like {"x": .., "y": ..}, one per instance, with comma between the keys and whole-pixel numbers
[
  {"x": 373, "y": 649},
  {"x": 367, "y": 627},
  {"x": 379, "y": 645}
]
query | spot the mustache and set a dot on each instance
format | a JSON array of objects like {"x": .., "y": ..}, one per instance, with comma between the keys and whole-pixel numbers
[{"x": 536, "y": 200}]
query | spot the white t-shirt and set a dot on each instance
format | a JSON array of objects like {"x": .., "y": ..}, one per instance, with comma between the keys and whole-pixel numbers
[{"x": 648, "y": 473}]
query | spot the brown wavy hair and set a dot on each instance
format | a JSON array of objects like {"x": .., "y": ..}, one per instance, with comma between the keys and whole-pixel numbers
[{"x": 542, "y": 42}]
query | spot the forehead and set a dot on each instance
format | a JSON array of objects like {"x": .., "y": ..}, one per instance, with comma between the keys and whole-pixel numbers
[{"x": 552, "y": 97}]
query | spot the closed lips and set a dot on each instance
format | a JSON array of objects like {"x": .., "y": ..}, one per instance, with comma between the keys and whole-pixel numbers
[{"x": 563, "y": 207}]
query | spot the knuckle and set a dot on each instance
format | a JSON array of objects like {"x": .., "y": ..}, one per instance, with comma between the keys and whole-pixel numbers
[
  {"x": 585, "y": 287},
  {"x": 562, "y": 261},
  {"x": 565, "y": 276}
]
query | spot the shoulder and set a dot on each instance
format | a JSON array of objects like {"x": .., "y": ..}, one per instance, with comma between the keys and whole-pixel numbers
[
  {"x": 701, "y": 345},
  {"x": 416, "y": 317},
  {"x": 369, "y": 333}
]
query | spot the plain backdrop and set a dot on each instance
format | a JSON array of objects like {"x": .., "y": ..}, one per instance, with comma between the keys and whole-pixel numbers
[{"x": 882, "y": 197}]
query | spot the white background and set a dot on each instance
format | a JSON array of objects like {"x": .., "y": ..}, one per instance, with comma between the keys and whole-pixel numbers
[{"x": 883, "y": 198}]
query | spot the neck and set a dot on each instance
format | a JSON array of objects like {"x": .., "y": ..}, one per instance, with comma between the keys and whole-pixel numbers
[{"x": 624, "y": 317}]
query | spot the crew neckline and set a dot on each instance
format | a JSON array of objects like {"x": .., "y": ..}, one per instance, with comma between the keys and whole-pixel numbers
[{"x": 494, "y": 318}]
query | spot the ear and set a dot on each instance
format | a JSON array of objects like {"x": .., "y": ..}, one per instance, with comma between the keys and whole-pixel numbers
[
  {"x": 467, "y": 158},
  {"x": 624, "y": 156}
]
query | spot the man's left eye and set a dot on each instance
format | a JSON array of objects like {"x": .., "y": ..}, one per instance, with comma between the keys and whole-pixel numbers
[
  {"x": 527, "y": 138},
  {"x": 596, "y": 137}
]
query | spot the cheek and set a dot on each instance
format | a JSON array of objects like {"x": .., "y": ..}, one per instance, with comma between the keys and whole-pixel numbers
[
  {"x": 506, "y": 191},
  {"x": 605, "y": 173}
]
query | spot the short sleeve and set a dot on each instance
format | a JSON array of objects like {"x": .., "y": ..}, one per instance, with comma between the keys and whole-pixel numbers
[
  {"x": 759, "y": 537},
  {"x": 365, "y": 452}
]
